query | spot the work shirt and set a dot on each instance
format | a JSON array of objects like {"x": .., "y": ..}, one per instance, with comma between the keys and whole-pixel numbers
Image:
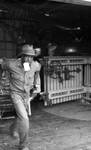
[{"x": 20, "y": 81}]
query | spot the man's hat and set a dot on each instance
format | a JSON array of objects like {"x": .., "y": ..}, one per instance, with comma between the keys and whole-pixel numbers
[{"x": 27, "y": 50}]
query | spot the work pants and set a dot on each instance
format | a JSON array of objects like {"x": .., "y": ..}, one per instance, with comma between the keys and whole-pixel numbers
[{"x": 21, "y": 123}]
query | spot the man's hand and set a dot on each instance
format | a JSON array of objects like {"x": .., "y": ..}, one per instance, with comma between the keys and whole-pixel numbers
[
  {"x": 33, "y": 95},
  {"x": 33, "y": 89}
]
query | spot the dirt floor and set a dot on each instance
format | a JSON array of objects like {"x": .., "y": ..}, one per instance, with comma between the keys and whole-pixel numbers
[{"x": 54, "y": 131}]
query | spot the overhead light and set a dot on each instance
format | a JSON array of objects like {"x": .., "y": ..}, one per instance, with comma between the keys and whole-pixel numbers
[
  {"x": 70, "y": 50},
  {"x": 46, "y": 14},
  {"x": 1, "y": 10},
  {"x": 68, "y": 28},
  {"x": 87, "y": 0},
  {"x": 79, "y": 2},
  {"x": 78, "y": 28},
  {"x": 70, "y": 1}
]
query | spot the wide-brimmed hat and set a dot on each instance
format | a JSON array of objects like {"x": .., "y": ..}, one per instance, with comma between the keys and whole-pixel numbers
[{"x": 27, "y": 50}]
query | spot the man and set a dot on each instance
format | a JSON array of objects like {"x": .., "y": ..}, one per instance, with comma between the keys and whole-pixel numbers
[{"x": 23, "y": 75}]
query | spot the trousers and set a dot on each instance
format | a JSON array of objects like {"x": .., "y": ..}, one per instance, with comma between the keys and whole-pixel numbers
[{"x": 21, "y": 123}]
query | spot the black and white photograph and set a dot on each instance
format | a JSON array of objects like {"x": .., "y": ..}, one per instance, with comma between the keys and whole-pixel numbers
[{"x": 45, "y": 74}]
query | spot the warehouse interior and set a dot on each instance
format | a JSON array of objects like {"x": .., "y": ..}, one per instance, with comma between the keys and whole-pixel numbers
[{"x": 61, "y": 115}]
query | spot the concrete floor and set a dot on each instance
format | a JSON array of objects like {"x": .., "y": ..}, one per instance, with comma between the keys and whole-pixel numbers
[{"x": 65, "y": 126}]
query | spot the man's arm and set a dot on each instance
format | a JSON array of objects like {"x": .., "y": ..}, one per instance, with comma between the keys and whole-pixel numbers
[{"x": 36, "y": 75}]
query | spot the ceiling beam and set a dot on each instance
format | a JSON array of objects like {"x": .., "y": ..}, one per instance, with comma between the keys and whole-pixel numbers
[{"x": 79, "y": 2}]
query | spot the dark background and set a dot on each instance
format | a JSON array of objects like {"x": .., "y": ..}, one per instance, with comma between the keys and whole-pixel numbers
[{"x": 65, "y": 25}]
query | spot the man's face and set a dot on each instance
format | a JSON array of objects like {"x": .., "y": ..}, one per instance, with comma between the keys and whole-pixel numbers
[{"x": 28, "y": 58}]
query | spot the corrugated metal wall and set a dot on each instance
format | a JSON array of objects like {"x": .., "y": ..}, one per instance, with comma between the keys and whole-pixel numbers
[{"x": 7, "y": 44}]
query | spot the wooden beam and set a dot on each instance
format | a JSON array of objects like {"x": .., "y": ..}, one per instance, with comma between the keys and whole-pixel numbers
[{"x": 78, "y": 2}]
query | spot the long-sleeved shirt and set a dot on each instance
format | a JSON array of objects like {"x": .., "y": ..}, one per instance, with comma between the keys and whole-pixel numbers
[{"x": 20, "y": 81}]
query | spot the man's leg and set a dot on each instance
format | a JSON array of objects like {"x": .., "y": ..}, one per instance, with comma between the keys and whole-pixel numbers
[
  {"x": 22, "y": 123},
  {"x": 14, "y": 129}
]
